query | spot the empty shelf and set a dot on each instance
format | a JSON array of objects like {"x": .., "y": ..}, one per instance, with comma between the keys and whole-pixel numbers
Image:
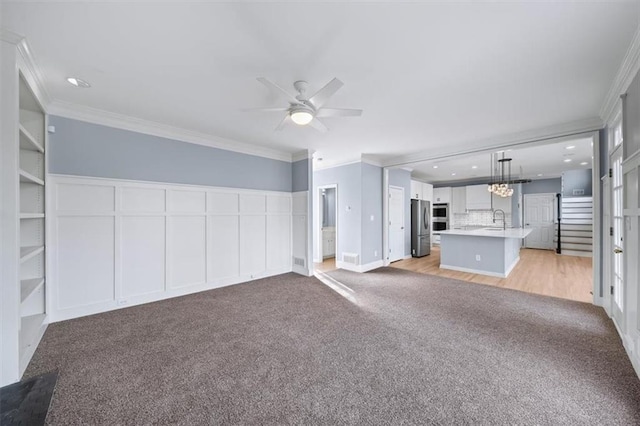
[
  {"x": 31, "y": 215},
  {"x": 29, "y": 178},
  {"x": 28, "y": 142},
  {"x": 27, "y": 253},
  {"x": 28, "y": 287}
]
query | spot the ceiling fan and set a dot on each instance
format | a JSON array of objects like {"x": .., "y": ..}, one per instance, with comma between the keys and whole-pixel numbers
[{"x": 306, "y": 110}]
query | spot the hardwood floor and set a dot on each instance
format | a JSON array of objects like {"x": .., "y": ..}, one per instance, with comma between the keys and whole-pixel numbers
[
  {"x": 539, "y": 271},
  {"x": 326, "y": 266}
]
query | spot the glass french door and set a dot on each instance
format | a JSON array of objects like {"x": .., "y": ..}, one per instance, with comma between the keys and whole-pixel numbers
[{"x": 617, "y": 225}]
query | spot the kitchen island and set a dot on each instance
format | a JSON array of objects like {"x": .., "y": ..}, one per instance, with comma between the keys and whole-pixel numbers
[{"x": 487, "y": 251}]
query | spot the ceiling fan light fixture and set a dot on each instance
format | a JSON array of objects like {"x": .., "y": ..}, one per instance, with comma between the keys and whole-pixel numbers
[{"x": 301, "y": 117}]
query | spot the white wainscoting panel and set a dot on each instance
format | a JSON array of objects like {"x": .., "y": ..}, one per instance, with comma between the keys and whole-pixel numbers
[
  {"x": 143, "y": 200},
  {"x": 142, "y": 255},
  {"x": 85, "y": 198},
  {"x": 300, "y": 232},
  {"x": 187, "y": 201},
  {"x": 188, "y": 259},
  {"x": 85, "y": 260},
  {"x": 119, "y": 243},
  {"x": 278, "y": 241},
  {"x": 253, "y": 240},
  {"x": 224, "y": 255},
  {"x": 253, "y": 204}
]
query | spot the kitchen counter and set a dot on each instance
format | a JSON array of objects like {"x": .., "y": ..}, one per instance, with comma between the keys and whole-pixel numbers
[
  {"x": 487, "y": 251},
  {"x": 490, "y": 232}
]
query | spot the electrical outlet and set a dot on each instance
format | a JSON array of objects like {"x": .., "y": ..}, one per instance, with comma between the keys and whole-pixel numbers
[
  {"x": 122, "y": 302},
  {"x": 478, "y": 258}
]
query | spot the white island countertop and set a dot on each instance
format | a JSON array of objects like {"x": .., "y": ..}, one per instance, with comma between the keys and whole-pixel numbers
[{"x": 490, "y": 232}]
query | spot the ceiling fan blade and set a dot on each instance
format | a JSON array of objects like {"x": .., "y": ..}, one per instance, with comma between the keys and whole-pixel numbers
[
  {"x": 338, "y": 112},
  {"x": 318, "y": 125},
  {"x": 279, "y": 90},
  {"x": 282, "y": 123},
  {"x": 265, "y": 109},
  {"x": 325, "y": 93}
]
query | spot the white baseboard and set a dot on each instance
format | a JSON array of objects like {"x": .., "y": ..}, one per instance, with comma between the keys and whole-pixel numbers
[
  {"x": 360, "y": 268},
  {"x": 112, "y": 305}
]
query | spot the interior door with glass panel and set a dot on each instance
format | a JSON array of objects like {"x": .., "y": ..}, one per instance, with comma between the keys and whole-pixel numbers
[{"x": 617, "y": 225}]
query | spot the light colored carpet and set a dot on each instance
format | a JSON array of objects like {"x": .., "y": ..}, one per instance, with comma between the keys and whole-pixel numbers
[{"x": 409, "y": 349}]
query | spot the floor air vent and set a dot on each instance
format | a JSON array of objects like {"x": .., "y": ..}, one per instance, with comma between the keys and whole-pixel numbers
[
  {"x": 298, "y": 261},
  {"x": 351, "y": 258}
]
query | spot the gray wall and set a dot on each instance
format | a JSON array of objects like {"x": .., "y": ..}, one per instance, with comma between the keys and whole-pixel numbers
[
  {"x": 85, "y": 149},
  {"x": 329, "y": 207},
  {"x": 300, "y": 175},
  {"x": 359, "y": 198},
  {"x": 631, "y": 109},
  {"x": 577, "y": 180},
  {"x": 402, "y": 178},
  {"x": 543, "y": 186},
  {"x": 371, "y": 208},
  {"x": 349, "y": 181}
]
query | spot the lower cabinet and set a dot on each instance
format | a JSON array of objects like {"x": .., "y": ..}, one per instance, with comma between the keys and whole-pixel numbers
[{"x": 328, "y": 242}]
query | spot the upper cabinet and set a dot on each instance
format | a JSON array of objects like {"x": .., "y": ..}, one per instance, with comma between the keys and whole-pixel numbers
[
  {"x": 478, "y": 198},
  {"x": 421, "y": 191},
  {"x": 459, "y": 199},
  {"x": 442, "y": 195}
]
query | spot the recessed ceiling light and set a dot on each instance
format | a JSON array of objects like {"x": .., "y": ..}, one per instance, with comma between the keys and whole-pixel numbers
[
  {"x": 453, "y": 174},
  {"x": 584, "y": 163},
  {"x": 570, "y": 147},
  {"x": 77, "y": 82},
  {"x": 539, "y": 174},
  {"x": 567, "y": 160},
  {"x": 474, "y": 167},
  {"x": 435, "y": 167}
]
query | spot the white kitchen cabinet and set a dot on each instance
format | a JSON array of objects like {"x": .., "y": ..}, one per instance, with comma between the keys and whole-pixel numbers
[
  {"x": 427, "y": 192},
  {"x": 442, "y": 195},
  {"x": 459, "y": 199},
  {"x": 478, "y": 198},
  {"x": 421, "y": 191},
  {"x": 416, "y": 190},
  {"x": 501, "y": 203}
]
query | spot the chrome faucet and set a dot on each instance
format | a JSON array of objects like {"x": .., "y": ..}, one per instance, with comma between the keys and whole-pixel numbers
[{"x": 504, "y": 222}]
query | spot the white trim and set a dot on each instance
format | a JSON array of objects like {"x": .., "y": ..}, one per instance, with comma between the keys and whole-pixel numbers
[
  {"x": 160, "y": 185},
  {"x": 626, "y": 73},
  {"x": 385, "y": 217},
  {"x": 318, "y": 165},
  {"x": 301, "y": 155},
  {"x": 317, "y": 233},
  {"x": 368, "y": 159},
  {"x": 119, "y": 121},
  {"x": 359, "y": 268},
  {"x": 482, "y": 272},
  {"x": 528, "y": 138}
]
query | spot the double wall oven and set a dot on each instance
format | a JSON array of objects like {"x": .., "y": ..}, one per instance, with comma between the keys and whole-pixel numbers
[{"x": 440, "y": 217}]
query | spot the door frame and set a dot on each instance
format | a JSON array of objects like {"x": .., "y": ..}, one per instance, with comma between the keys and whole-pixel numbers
[
  {"x": 403, "y": 221},
  {"x": 607, "y": 248},
  {"x": 317, "y": 231},
  {"x": 524, "y": 213}
]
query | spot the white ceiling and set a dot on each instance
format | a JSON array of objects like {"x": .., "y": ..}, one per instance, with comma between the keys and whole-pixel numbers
[
  {"x": 537, "y": 162},
  {"x": 427, "y": 74}
]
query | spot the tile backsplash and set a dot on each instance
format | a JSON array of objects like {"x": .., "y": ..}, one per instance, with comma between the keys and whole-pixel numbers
[{"x": 478, "y": 218}]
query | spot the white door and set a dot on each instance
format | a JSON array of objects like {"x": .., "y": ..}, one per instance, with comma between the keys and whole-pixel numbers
[
  {"x": 607, "y": 249},
  {"x": 396, "y": 223},
  {"x": 538, "y": 215},
  {"x": 617, "y": 223}
]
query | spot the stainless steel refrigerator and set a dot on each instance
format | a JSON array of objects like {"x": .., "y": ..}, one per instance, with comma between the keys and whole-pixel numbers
[{"x": 420, "y": 228}]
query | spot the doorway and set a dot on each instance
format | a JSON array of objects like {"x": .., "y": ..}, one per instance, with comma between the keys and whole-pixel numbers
[
  {"x": 539, "y": 216},
  {"x": 396, "y": 223},
  {"x": 327, "y": 228}
]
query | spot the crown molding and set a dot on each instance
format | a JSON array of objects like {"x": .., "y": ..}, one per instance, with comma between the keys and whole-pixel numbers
[
  {"x": 369, "y": 159},
  {"x": 320, "y": 165},
  {"x": 626, "y": 73},
  {"x": 110, "y": 119},
  {"x": 574, "y": 128},
  {"x": 30, "y": 70},
  {"x": 301, "y": 155}
]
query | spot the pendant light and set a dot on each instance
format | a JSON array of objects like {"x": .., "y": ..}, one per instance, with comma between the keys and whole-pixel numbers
[{"x": 500, "y": 176}]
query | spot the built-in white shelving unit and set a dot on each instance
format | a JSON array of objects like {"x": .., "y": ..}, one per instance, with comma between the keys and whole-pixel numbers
[{"x": 31, "y": 171}]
